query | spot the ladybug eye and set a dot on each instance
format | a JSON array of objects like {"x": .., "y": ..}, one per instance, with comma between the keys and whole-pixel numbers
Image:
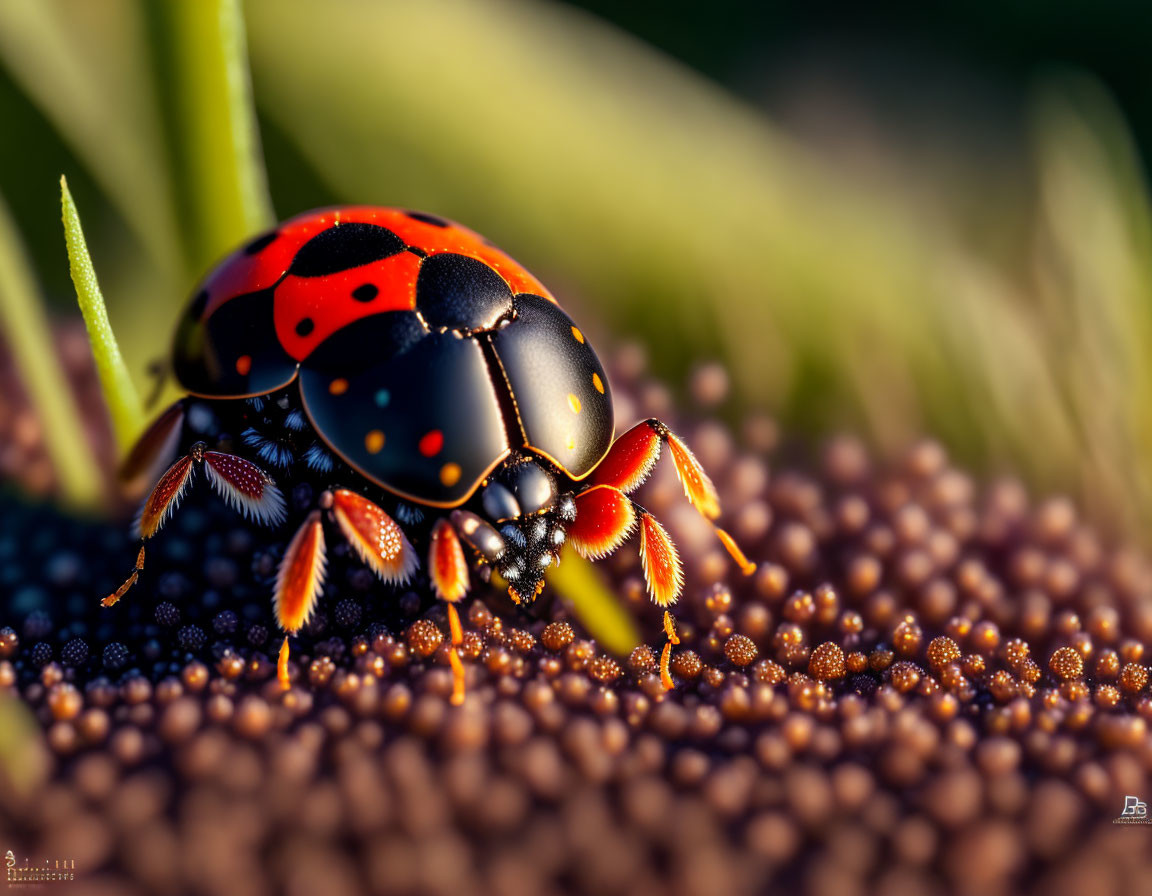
[
  {"x": 533, "y": 487},
  {"x": 499, "y": 503}
]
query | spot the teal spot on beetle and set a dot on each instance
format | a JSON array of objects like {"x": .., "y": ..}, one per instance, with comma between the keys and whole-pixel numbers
[{"x": 382, "y": 398}]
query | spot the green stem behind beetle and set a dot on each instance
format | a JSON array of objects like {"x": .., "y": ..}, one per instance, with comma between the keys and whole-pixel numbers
[
  {"x": 596, "y": 606},
  {"x": 123, "y": 402},
  {"x": 202, "y": 64},
  {"x": 29, "y": 338}
]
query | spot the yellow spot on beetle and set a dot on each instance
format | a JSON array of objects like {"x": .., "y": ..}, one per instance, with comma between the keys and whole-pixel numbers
[
  {"x": 578, "y": 335},
  {"x": 598, "y": 383},
  {"x": 338, "y": 386},
  {"x": 574, "y": 402},
  {"x": 374, "y": 441},
  {"x": 450, "y": 474}
]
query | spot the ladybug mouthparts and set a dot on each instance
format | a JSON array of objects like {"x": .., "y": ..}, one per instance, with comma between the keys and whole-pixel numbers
[{"x": 524, "y": 524}]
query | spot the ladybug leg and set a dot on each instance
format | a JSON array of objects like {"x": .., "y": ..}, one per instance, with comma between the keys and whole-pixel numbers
[
  {"x": 155, "y": 448},
  {"x": 377, "y": 538},
  {"x": 241, "y": 483},
  {"x": 244, "y": 486},
  {"x": 298, "y": 584},
  {"x": 160, "y": 505},
  {"x": 112, "y": 598},
  {"x": 457, "y": 633},
  {"x": 666, "y": 653},
  {"x": 632, "y": 458},
  {"x": 449, "y": 573},
  {"x": 373, "y": 534},
  {"x": 605, "y": 517},
  {"x": 660, "y": 561}
]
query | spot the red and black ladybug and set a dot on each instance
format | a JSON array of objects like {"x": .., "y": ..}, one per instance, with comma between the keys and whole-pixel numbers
[{"x": 407, "y": 360}]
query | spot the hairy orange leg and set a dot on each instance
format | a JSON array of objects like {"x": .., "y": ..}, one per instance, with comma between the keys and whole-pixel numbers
[
  {"x": 636, "y": 452},
  {"x": 159, "y": 506},
  {"x": 240, "y": 482},
  {"x": 245, "y": 487},
  {"x": 605, "y": 517},
  {"x": 298, "y": 584},
  {"x": 449, "y": 572},
  {"x": 660, "y": 561},
  {"x": 375, "y": 537}
]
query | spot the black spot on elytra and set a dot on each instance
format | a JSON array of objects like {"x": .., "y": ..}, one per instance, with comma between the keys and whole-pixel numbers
[
  {"x": 461, "y": 293},
  {"x": 365, "y": 292},
  {"x": 305, "y": 326},
  {"x": 344, "y": 246},
  {"x": 261, "y": 243},
  {"x": 199, "y": 303},
  {"x": 427, "y": 219}
]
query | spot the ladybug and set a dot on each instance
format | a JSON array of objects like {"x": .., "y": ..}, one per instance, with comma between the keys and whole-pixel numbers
[{"x": 406, "y": 363}]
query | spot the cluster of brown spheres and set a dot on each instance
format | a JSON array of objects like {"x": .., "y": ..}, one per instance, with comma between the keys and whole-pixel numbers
[{"x": 926, "y": 686}]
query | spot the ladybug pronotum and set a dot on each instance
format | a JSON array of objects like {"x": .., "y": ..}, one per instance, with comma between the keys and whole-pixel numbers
[{"x": 406, "y": 362}]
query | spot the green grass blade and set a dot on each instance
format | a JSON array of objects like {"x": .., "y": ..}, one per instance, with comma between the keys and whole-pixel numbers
[
  {"x": 123, "y": 402},
  {"x": 594, "y": 604},
  {"x": 203, "y": 70},
  {"x": 28, "y": 336}
]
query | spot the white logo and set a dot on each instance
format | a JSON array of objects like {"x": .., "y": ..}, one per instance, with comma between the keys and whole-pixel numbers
[{"x": 1135, "y": 812}]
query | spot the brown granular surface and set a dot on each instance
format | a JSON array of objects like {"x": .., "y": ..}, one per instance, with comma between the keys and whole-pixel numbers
[{"x": 926, "y": 686}]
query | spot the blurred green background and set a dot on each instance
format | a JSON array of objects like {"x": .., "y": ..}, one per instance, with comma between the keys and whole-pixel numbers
[{"x": 895, "y": 219}]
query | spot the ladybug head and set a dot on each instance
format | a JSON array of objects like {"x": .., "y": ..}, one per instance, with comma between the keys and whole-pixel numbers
[{"x": 523, "y": 525}]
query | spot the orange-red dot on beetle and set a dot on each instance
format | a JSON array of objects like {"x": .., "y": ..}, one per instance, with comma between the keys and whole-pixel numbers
[{"x": 431, "y": 443}]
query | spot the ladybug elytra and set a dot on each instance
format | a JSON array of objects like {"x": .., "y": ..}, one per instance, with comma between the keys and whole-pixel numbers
[{"x": 401, "y": 360}]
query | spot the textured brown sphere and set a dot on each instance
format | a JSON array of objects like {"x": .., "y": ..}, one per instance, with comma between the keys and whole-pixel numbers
[
  {"x": 604, "y": 669},
  {"x": 908, "y": 636},
  {"x": 424, "y": 637},
  {"x": 1066, "y": 663},
  {"x": 827, "y": 662},
  {"x": 686, "y": 664},
  {"x": 942, "y": 651},
  {"x": 1133, "y": 678},
  {"x": 769, "y": 672},
  {"x": 904, "y": 676},
  {"x": 557, "y": 635},
  {"x": 740, "y": 650},
  {"x": 642, "y": 660}
]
